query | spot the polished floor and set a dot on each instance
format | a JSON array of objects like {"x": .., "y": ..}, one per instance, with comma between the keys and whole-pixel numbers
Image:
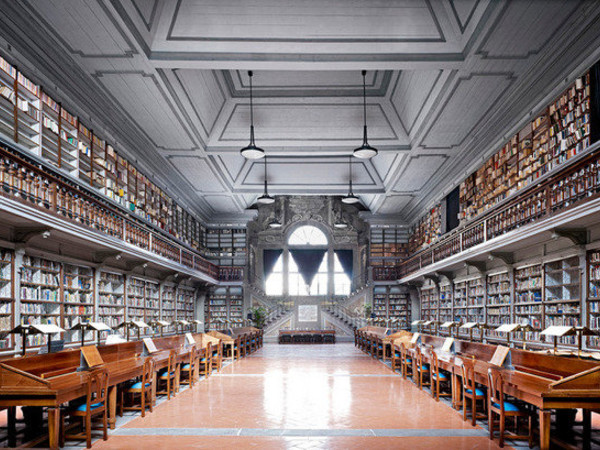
[{"x": 302, "y": 397}]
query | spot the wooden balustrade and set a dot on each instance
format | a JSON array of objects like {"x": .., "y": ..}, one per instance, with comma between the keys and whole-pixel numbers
[
  {"x": 27, "y": 182},
  {"x": 575, "y": 184}
]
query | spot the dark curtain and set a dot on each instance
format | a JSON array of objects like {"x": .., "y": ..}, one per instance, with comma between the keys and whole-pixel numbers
[
  {"x": 595, "y": 103},
  {"x": 270, "y": 257},
  {"x": 347, "y": 261},
  {"x": 452, "y": 209},
  {"x": 308, "y": 262}
]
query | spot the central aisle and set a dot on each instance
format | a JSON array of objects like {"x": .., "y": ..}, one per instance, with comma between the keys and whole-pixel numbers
[{"x": 302, "y": 396}]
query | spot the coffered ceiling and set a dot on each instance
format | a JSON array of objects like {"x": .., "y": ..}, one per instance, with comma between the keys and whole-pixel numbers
[{"x": 447, "y": 81}]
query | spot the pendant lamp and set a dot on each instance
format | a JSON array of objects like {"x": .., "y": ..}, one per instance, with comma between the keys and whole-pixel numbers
[
  {"x": 265, "y": 199},
  {"x": 251, "y": 151},
  {"x": 365, "y": 151},
  {"x": 350, "y": 199}
]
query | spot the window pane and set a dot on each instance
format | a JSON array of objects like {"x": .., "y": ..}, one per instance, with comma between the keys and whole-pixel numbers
[
  {"x": 308, "y": 235},
  {"x": 274, "y": 284},
  {"x": 342, "y": 284}
]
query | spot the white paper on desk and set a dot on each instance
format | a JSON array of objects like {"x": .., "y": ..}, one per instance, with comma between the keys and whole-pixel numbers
[
  {"x": 99, "y": 326},
  {"x": 446, "y": 325},
  {"x": 149, "y": 344},
  {"x": 556, "y": 330},
  {"x": 447, "y": 347},
  {"x": 468, "y": 325},
  {"x": 114, "y": 339},
  {"x": 415, "y": 338},
  {"x": 139, "y": 324},
  {"x": 190, "y": 339},
  {"x": 47, "y": 328},
  {"x": 507, "y": 327}
]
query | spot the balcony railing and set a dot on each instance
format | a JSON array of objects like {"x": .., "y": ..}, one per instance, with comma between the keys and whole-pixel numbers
[
  {"x": 572, "y": 186},
  {"x": 26, "y": 182}
]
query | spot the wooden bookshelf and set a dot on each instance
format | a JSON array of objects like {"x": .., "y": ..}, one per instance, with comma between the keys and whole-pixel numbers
[
  {"x": 236, "y": 303},
  {"x": 498, "y": 304},
  {"x": 167, "y": 306},
  {"x": 40, "y": 295},
  {"x": 460, "y": 299},
  {"x": 111, "y": 298},
  {"x": 562, "y": 298},
  {"x": 446, "y": 309},
  {"x": 476, "y": 303},
  {"x": 186, "y": 303},
  {"x": 427, "y": 230},
  {"x": 429, "y": 302},
  {"x": 136, "y": 299},
  {"x": 216, "y": 308},
  {"x": 593, "y": 297},
  {"x": 392, "y": 302},
  {"x": 528, "y": 304},
  {"x": 7, "y": 297},
  {"x": 152, "y": 311},
  {"x": 226, "y": 246},
  {"x": 380, "y": 301},
  {"x": 78, "y": 300},
  {"x": 399, "y": 307}
]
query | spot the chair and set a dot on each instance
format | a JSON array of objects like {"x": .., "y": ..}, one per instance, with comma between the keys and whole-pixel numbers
[
  {"x": 236, "y": 349},
  {"x": 188, "y": 370},
  {"x": 243, "y": 345},
  {"x": 405, "y": 362},
  {"x": 204, "y": 360},
  {"x": 378, "y": 346},
  {"x": 167, "y": 377},
  {"x": 497, "y": 405},
  {"x": 422, "y": 369},
  {"x": 217, "y": 357},
  {"x": 471, "y": 392},
  {"x": 94, "y": 405},
  {"x": 438, "y": 377},
  {"x": 141, "y": 389},
  {"x": 396, "y": 358}
]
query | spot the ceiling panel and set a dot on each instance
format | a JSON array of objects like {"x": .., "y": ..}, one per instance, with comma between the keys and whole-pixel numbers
[
  {"x": 394, "y": 204},
  {"x": 307, "y": 122},
  {"x": 524, "y": 27},
  {"x": 469, "y": 101},
  {"x": 198, "y": 173},
  {"x": 205, "y": 94},
  {"x": 413, "y": 88},
  {"x": 418, "y": 172},
  {"x": 84, "y": 28},
  {"x": 141, "y": 96},
  {"x": 316, "y": 172},
  {"x": 222, "y": 203},
  {"x": 310, "y": 20}
]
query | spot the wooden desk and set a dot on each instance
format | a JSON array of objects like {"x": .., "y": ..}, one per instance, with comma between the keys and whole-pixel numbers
[
  {"x": 545, "y": 381},
  {"x": 22, "y": 381}
]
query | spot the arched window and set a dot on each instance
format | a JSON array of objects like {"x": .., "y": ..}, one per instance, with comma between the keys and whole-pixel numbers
[
  {"x": 274, "y": 281},
  {"x": 307, "y": 235}
]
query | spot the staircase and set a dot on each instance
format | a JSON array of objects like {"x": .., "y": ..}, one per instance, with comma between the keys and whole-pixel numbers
[
  {"x": 345, "y": 330},
  {"x": 272, "y": 329}
]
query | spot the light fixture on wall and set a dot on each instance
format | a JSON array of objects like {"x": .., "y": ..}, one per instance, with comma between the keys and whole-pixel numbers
[
  {"x": 275, "y": 223},
  {"x": 365, "y": 151},
  {"x": 350, "y": 199},
  {"x": 340, "y": 225},
  {"x": 265, "y": 199},
  {"x": 251, "y": 151}
]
